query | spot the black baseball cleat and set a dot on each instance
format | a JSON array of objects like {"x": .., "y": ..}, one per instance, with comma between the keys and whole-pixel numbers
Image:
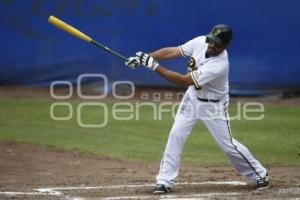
[
  {"x": 263, "y": 183},
  {"x": 161, "y": 189}
]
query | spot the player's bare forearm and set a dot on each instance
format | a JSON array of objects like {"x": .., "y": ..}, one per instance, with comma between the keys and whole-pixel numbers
[
  {"x": 174, "y": 77},
  {"x": 166, "y": 53}
]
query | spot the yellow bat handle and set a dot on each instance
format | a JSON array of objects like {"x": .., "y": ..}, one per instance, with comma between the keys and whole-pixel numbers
[{"x": 68, "y": 28}]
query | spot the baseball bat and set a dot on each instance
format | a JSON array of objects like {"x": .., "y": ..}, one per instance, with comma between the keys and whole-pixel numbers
[{"x": 73, "y": 31}]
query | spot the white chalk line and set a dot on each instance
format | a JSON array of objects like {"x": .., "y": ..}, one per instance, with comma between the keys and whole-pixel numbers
[
  {"x": 22, "y": 193},
  {"x": 56, "y": 191},
  {"x": 203, "y": 196},
  {"x": 49, "y": 193},
  {"x": 177, "y": 197},
  {"x": 138, "y": 186}
]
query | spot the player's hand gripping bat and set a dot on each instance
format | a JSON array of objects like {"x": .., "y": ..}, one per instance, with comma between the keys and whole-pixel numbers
[{"x": 73, "y": 31}]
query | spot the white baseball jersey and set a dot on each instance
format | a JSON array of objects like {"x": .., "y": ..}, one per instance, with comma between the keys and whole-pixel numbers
[{"x": 211, "y": 76}]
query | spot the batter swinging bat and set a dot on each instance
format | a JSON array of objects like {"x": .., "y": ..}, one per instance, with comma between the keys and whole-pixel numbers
[{"x": 73, "y": 31}]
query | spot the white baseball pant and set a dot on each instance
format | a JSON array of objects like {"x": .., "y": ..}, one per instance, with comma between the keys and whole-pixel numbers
[{"x": 215, "y": 118}]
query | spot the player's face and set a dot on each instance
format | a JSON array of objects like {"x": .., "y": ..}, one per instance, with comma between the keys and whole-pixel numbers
[{"x": 214, "y": 49}]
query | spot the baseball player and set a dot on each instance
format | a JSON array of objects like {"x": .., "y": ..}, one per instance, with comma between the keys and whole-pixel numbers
[{"x": 206, "y": 99}]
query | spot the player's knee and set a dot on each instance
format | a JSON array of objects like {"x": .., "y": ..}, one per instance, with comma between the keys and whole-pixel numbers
[{"x": 228, "y": 149}]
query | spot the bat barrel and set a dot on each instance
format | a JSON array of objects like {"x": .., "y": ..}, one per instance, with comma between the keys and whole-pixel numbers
[
  {"x": 73, "y": 31},
  {"x": 68, "y": 28}
]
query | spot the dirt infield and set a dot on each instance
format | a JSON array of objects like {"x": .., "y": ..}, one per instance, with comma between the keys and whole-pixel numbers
[{"x": 35, "y": 172}]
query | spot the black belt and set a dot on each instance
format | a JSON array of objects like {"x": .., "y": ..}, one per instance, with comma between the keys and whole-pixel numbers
[{"x": 208, "y": 100}]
